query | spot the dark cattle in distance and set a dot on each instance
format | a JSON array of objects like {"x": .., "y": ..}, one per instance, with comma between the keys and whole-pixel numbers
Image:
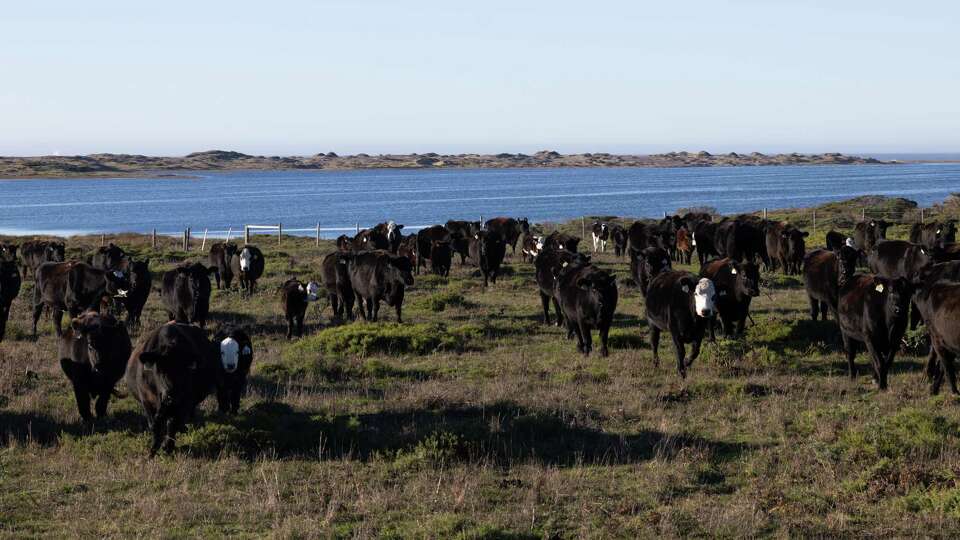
[
  {"x": 530, "y": 247},
  {"x": 703, "y": 240},
  {"x": 509, "y": 229},
  {"x": 370, "y": 239},
  {"x": 295, "y": 296},
  {"x": 601, "y": 233},
  {"x": 425, "y": 239},
  {"x": 588, "y": 299},
  {"x": 559, "y": 240},
  {"x": 109, "y": 257},
  {"x": 186, "y": 293},
  {"x": 33, "y": 253},
  {"x": 441, "y": 257},
  {"x": 379, "y": 275},
  {"x": 136, "y": 297},
  {"x": 335, "y": 275},
  {"x": 793, "y": 249},
  {"x": 248, "y": 265},
  {"x": 619, "y": 236},
  {"x": 487, "y": 250},
  {"x": 344, "y": 243},
  {"x": 737, "y": 284},
  {"x": 682, "y": 304},
  {"x": 898, "y": 258},
  {"x": 408, "y": 249},
  {"x": 74, "y": 287},
  {"x": 465, "y": 229},
  {"x": 220, "y": 258},
  {"x": 547, "y": 265},
  {"x": 93, "y": 353},
  {"x": 873, "y": 311},
  {"x": 867, "y": 234},
  {"x": 934, "y": 235},
  {"x": 648, "y": 264},
  {"x": 825, "y": 272},
  {"x": 684, "y": 248},
  {"x": 8, "y": 252},
  {"x": 835, "y": 240},
  {"x": 10, "y": 282}
]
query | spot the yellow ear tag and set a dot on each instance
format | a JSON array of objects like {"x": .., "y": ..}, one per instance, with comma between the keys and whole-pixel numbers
[{"x": 879, "y": 287}]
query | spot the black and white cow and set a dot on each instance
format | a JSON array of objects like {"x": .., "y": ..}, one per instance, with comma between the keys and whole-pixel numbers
[{"x": 601, "y": 233}]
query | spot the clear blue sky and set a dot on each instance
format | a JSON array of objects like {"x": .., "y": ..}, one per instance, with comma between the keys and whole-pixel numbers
[{"x": 300, "y": 77}]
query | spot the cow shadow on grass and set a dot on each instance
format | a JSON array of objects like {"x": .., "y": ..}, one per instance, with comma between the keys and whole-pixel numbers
[
  {"x": 42, "y": 429},
  {"x": 502, "y": 432}
]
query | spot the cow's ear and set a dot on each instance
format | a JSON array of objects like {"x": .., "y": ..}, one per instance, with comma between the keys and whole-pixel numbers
[
  {"x": 399, "y": 227},
  {"x": 806, "y": 233}
]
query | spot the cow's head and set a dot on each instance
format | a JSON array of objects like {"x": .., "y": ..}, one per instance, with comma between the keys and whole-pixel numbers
[
  {"x": 601, "y": 287},
  {"x": 704, "y": 298},
  {"x": 8, "y": 252},
  {"x": 311, "y": 290},
  {"x": 895, "y": 295},
  {"x": 747, "y": 278},
  {"x": 139, "y": 274},
  {"x": 102, "y": 334},
  {"x": 524, "y": 225},
  {"x": 196, "y": 282},
  {"x": 793, "y": 242},
  {"x": 879, "y": 228},
  {"x": 393, "y": 232},
  {"x": 235, "y": 350},
  {"x": 229, "y": 250},
  {"x": 847, "y": 259},
  {"x": 654, "y": 261},
  {"x": 55, "y": 252},
  {"x": 246, "y": 259},
  {"x": 399, "y": 270}
]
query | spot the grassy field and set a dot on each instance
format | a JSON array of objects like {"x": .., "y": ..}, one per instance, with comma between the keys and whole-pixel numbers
[{"x": 474, "y": 420}]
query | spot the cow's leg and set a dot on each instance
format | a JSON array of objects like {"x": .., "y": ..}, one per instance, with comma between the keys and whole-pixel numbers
[
  {"x": 216, "y": 276},
  {"x": 37, "y": 311},
  {"x": 850, "y": 346},
  {"x": 594, "y": 237},
  {"x": 681, "y": 353},
  {"x": 159, "y": 430},
  {"x": 102, "y": 401},
  {"x": 585, "y": 337},
  {"x": 399, "y": 308},
  {"x": 373, "y": 305},
  {"x": 655, "y": 344},
  {"x": 81, "y": 389},
  {"x": 946, "y": 359},
  {"x": 878, "y": 363},
  {"x": 934, "y": 371},
  {"x": 694, "y": 351},
  {"x": 604, "y": 332},
  {"x": 545, "y": 302},
  {"x": 300, "y": 319},
  {"x": 814, "y": 308},
  {"x": 915, "y": 317},
  {"x": 58, "y": 321},
  {"x": 556, "y": 308},
  {"x": 174, "y": 425}
]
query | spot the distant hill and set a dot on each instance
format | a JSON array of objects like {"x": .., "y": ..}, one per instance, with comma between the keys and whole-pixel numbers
[{"x": 214, "y": 160}]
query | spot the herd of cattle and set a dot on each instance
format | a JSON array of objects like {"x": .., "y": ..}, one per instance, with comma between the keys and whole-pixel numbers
[{"x": 175, "y": 366}]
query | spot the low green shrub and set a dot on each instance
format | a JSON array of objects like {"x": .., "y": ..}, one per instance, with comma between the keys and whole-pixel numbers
[
  {"x": 382, "y": 338},
  {"x": 910, "y": 432}
]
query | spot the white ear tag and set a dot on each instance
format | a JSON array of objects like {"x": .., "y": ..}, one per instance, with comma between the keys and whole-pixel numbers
[
  {"x": 879, "y": 287},
  {"x": 564, "y": 265},
  {"x": 733, "y": 271},
  {"x": 301, "y": 288},
  {"x": 685, "y": 288}
]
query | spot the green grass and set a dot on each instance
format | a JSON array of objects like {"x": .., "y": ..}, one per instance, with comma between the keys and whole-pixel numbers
[{"x": 474, "y": 420}]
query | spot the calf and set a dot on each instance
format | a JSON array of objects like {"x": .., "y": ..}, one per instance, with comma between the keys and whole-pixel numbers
[
  {"x": 170, "y": 372},
  {"x": 93, "y": 354},
  {"x": 793, "y": 249},
  {"x": 648, "y": 264},
  {"x": 530, "y": 247},
  {"x": 136, "y": 297},
  {"x": 873, "y": 310},
  {"x": 547, "y": 265},
  {"x": 835, "y": 240},
  {"x": 186, "y": 293},
  {"x": 684, "y": 248},
  {"x": 248, "y": 265},
  {"x": 441, "y": 256},
  {"x": 559, "y": 240},
  {"x": 682, "y": 304},
  {"x": 425, "y": 239},
  {"x": 295, "y": 296},
  {"x": 601, "y": 233},
  {"x": 934, "y": 235},
  {"x": 939, "y": 303},
  {"x": 898, "y": 258},
  {"x": 220, "y": 258},
  {"x": 509, "y": 229},
  {"x": 109, "y": 257},
  {"x": 867, "y": 234},
  {"x": 33, "y": 253},
  {"x": 236, "y": 357},
  {"x": 619, "y": 236},
  {"x": 10, "y": 282},
  {"x": 379, "y": 275},
  {"x": 737, "y": 284},
  {"x": 487, "y": 250},
  {"x": 336, "y": 280},
  {"x": 588, "y": 299},
  {"x": 824, "y": 274},
  {"x": 74, "y": 287},
  {"x": 703, "y": 239}
]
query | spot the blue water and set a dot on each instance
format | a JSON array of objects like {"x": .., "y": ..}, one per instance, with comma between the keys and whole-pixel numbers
[{"x": 342, "y": 199}]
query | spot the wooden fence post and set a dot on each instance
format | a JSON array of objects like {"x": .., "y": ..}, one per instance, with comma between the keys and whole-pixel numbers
[
  {"x": 101, "y": 241},
  {"x": 863, "y": 214},
  {"x": 358, "y": 228},
  {"x": 921, "y": 215},
  {"x": 279, "y": 233},
  {"x": 814, "y": 221},
  {"x": 583, "y": 228},
  {"x": 318, "y": 234},
  {"x": 229, "y": 233},
  {"x": 204, "y": 243},
  {"x": 153, "y": 239},
  {"x": 246, "y": 234}
]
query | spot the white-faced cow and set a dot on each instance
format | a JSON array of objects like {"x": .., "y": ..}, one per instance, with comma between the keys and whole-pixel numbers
[
  {"x": 248, "y": 265},
  {"x": 682, "y": 304},
  {"x": 737, "y": 284},
  {"x": 295, "y": 296},
  {"x": 601, "y": 233}
]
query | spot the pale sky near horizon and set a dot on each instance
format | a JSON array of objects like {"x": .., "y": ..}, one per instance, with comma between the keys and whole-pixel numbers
[{"x": 300, "y": 77}]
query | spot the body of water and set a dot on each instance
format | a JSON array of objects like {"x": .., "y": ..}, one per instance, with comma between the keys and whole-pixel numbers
[{"x": 341, "y": 199}]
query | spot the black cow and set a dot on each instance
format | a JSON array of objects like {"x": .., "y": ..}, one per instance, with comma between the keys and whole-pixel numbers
[
  {"x": 648, "y": 264},
  {"x": 682, "y": 304},
  {"x": 619, "y": 236},
  {"x": 186, "y": 293},
  {"x": 898, "y": 258},
  {"x": 248, "y": 265},
  {"x": 559, "y": 240},
  {"x": 873, "y": 310},
  {"x": 703, "y": 239},
  {"x": 33, "y": 253},
  {"x": 74, "y": 287},
  {"x": 547, "y": 265},
  {"x": 220, "y": 258},
  {"x": 508, "y": 229},
  {"x": 8, "y": 252},
  {"x": 335, "y": 275},
  {"x": 171, "y": 371},
  {"x": 344, "y": 243},
  {"x": 792, "y": 250},
  {"x": 369, "y": 239},
  {"x": 487, "y": 250},
  {"x": 441, "y": 257},
  {"x": 109, "y": 257},
  {"x": 640, "y": 236},
  {"x": 588, "y": 299},
  {"x": 236, "y": 357},
  {"x": 867, "y": 234},
  {"x": 295, "y": 296},
  {"x": 939, "y": 304},
  {"x": 425, "y": 239},
  {"x": 136, "y": 297},
  {"x": 836, "y": 240},
  {"x": 947, "y": 252},
  {"x": 465, "y": 229},
  {"x": 10, "y": 282},
  {"x": 664, "y": 236},
  {"x": 934, "y": 235},
  {"x": 742, "y": 238},
  {"x": 379, "y": 275},
  {"x": 737, "y": 284},
  {"x": 93, "y": 354},
  {"x": 390, "y": 232},
  {"x": 825, "y": 272},
  {"x": 601, "y": 233}
]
